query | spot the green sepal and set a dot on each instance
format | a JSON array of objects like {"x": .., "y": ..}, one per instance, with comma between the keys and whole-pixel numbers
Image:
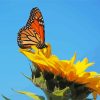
[
  {"x": 5, "y": 98},
  {"x": 27, "y": 77},
  {"x": 61, "y": 92},
  {"x": 31, "y": 95}
]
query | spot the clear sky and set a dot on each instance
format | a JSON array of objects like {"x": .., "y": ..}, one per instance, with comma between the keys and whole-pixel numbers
[{"x": 70, "y": 25}]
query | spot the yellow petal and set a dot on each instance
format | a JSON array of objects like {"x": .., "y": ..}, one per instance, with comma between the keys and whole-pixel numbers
[
  {"x": 48, "y": 51},
  {"x": 73, "y": 59},
  {"x": 82, "y": 66},
  {"x": 93, "y": 74}
]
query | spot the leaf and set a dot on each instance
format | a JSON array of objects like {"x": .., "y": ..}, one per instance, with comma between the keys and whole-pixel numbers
[
  {"x": 32, "y": 95},
  {"x": 5, "y": 98}
]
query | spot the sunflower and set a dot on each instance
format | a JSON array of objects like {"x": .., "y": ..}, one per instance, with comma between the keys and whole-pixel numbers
[{"x": 64, "y": 73}]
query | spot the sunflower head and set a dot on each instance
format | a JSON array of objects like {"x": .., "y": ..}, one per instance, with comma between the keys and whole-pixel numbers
[{"x": 54, "y": 74}]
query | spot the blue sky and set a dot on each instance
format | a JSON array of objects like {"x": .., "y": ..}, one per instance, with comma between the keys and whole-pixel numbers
[{"x": 70, "y": 25}]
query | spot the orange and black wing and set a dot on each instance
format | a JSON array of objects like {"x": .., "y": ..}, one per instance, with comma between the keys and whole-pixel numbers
[
  {"x": 33, "y": 33},
  {"x": 36, "y": 22},
  {"x": 27, "y": 38}
]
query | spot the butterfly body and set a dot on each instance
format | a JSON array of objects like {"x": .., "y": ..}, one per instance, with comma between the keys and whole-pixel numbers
[{"x": 33, "y": 32}]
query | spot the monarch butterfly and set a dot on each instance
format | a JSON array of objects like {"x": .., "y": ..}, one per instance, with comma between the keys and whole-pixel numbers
[{"x": 33, "y": 32}]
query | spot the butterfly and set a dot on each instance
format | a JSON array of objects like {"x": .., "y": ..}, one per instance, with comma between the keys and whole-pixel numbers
[{"x": 33, "y": 32}]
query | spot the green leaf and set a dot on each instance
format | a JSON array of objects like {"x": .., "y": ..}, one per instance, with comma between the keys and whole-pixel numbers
[
  {"x": 5, "y": 98},
  {"x": 32, "y": 95}
]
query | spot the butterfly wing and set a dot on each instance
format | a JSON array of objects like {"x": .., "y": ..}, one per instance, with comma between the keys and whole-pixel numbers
[
  {"x": 33, "y": 33},
  {"x": 27, "y": 38},
  {"x": 36, "y": 21}
]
